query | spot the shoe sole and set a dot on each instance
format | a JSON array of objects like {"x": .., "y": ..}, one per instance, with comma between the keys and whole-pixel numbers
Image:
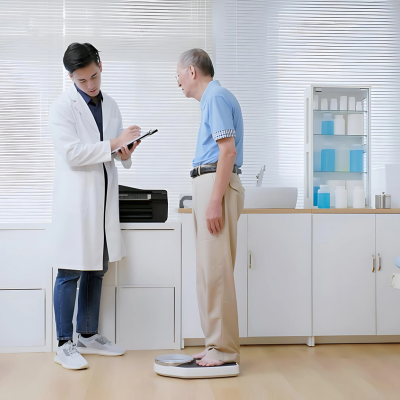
[
  {"x": 84, "y": 350},
  {"x": 58, "y": 361}
]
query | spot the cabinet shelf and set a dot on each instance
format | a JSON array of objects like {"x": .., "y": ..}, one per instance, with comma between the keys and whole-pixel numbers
[
  {"x": 340, "y": 112},
  {"x": 338, "y": 172},
  {"x": 349, "y": 136}
]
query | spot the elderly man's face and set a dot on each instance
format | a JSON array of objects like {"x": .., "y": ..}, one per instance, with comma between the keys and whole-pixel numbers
[{"x": 184, "y": 79}]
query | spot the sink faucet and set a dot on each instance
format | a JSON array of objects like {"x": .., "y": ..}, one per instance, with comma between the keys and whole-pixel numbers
[{"x": 260, "y": 176}]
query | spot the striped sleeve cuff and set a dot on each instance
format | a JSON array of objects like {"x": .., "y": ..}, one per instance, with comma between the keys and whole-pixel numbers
[{"x": 226, "y": 133}]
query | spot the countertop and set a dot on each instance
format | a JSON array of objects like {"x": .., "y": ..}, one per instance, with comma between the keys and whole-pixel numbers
[{"x": 310, "y": 211}]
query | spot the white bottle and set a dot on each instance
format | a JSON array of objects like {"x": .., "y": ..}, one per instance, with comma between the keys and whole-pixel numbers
[
  {"x": 324, "y": 104},
  {"x": 359, "y": 106},
  {"x": 355, "y": 124},
  {"x": 339, "y": 125},
  {"x": 315, "y": 100},
  {"x": 352, "y": 104},
  {"x": 334, "y": 104},
  {"x": 342, "y": 159},
  {"x": 359, "y": 197},
  {"x": 341, "y": 197},
  {"x": 350, "y": 186},
  {"x": 343, "y": 103}
]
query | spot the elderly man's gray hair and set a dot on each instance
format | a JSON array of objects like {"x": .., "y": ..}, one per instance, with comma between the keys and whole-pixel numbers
[{"x": 198, "y": 58}]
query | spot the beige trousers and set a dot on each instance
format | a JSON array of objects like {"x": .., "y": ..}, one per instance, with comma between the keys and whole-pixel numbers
[{"x": 215, "y": 262}]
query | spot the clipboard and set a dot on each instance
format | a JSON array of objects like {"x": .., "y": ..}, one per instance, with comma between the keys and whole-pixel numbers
[{"x": 130, "y": 144}]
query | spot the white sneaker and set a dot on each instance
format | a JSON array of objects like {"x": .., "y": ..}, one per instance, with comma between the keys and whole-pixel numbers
[
  {"x": 69, "y": 357},
  {"x": 98, "y": 344}
]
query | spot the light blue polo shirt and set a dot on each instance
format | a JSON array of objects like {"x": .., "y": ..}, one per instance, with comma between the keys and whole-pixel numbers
[{"x": 221, "y": 117}]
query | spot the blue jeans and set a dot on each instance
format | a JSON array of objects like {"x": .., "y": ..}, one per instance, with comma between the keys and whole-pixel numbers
[{"x": 87, "y": 321}]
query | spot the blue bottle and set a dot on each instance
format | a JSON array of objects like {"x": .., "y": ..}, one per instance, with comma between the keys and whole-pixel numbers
[
  {"x": 324, "y": 197},
  {"x": 328, "y": 160},
  {"x": 315, "y": 202},
  {"x": 327, "y": 126},
  {"x": 356, "y": 159}
]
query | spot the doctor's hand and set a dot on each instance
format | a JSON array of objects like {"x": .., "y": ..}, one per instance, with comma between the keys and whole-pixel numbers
[
  {"x": 214, "y": 218},
  {"x": 125, "y": 153},
  {"x": 129, "y": 134}
]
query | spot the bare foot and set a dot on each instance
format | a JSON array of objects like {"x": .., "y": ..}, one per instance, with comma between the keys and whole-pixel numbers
[
  {"x": 209, "y": 362},
  {"x": 199, "y": 356}
]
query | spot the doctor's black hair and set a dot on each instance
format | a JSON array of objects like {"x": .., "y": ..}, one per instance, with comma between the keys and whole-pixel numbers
[{"x": 80, "y": 55}]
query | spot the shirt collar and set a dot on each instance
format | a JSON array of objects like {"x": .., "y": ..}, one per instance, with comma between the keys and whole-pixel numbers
[
  {"x": 86, "y": 97},
  {"x": 207, "y": 92}
]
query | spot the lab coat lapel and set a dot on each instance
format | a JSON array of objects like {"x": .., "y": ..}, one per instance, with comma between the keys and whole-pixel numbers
[
  {"x": 106, "y": 111},
  {"x": 85, "y": 112}
]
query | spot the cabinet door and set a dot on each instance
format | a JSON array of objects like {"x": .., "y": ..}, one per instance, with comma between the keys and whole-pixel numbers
[
  {"x": 343, "y": 277},
  {"x": 22, "y": 318},
  {"x": 191, "y": 327},
  {"x": 387, "y": 298},
  {"x": 146, "y": 318},
  {"x": 152, "y": 256},
  {"x": 279, "y": 279}
]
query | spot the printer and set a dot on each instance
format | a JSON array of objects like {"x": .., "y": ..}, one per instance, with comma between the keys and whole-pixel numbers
[{"x": 137, "y": 205}]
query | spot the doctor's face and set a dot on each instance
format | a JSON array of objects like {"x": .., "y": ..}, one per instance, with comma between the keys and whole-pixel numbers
[{"x": 88, "y": 79}]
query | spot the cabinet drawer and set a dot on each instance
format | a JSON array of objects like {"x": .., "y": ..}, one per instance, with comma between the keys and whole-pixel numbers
[
  {"x": 146, "y": 318},
  {"x": 152, "y": 257},
  {"x": 22, "y": 318}
]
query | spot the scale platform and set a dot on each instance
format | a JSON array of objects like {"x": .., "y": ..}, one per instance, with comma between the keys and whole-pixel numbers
[{"x": 183, "y": 366}]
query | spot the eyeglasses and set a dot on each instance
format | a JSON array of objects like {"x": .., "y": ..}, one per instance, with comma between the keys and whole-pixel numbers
[{"x": 177, "y": 76}]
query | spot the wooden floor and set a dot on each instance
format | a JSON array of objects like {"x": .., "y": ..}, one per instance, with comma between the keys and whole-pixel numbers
[{"x": 362, "y": 371}]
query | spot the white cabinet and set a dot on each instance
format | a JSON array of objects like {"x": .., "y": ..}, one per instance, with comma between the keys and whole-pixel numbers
[
  {"x": 152, "y": 257},
  {"x": 22, "y": 318},
  {"x": 146, "y": 318},
  {"x": 343, "y": 276},
  {"x": 387, "y": 298},
  {"x": 279, "y": 277},
  {"x": 191, "y": 327},
  {"x": 148, "y": 305}
]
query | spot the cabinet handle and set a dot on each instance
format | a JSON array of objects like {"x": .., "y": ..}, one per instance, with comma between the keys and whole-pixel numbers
[
  {"x": 380, "y": 262},
  {"x": 373, "y": 263},
  {"x": 250, "y": 260}
]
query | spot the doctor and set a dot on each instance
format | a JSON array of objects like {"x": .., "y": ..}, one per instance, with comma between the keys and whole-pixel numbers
[{"x": 86, "y": 126}]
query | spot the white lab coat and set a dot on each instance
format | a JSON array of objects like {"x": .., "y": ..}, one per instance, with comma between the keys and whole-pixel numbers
[{"x": 77, "y": 232}]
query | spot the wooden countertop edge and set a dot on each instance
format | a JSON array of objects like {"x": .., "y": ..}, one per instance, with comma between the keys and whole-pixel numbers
[{"x": 310, "y": 211}]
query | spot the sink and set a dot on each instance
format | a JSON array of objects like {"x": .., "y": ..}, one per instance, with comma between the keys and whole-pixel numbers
[{"x": 270, "y": 197}]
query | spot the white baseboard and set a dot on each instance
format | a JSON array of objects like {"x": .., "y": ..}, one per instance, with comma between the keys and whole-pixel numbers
[{"x": 303, "y": 340}]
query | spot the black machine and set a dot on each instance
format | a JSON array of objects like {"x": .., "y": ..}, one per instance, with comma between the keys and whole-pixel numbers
[{"x": 137, "y": 205}]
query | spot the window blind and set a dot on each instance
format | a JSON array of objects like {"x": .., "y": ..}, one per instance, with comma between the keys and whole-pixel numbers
[
  {"x": 267, "y": 52},
  {"x": 139, "y": 44}
]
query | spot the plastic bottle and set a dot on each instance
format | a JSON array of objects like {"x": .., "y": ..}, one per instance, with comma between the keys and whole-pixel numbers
[
  {"x": 355, "y": 124},
  {"x": 339, "y": 125},
  {"x": 356, "y": 158},
  {"x": 315, "y": 102},
  {"x": 327, "y": 126},
  {"x": 350, "y": 186},
  {"x": 342, "y": 159},
  {"x": 340, "y": 197},
  {"x": 352, "y": 104},
  {"x": 343, "y": 103},
  {"x": 328, "y": 159},
  {"x": 324, "y": 104},
  {"x": 359, "y": 197},
  {"x": 334, "y": 104},
  {"x": 324, "y": 197},
  {"x": 316, "y": 185},
  {"x": 333, "y": 184}
]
